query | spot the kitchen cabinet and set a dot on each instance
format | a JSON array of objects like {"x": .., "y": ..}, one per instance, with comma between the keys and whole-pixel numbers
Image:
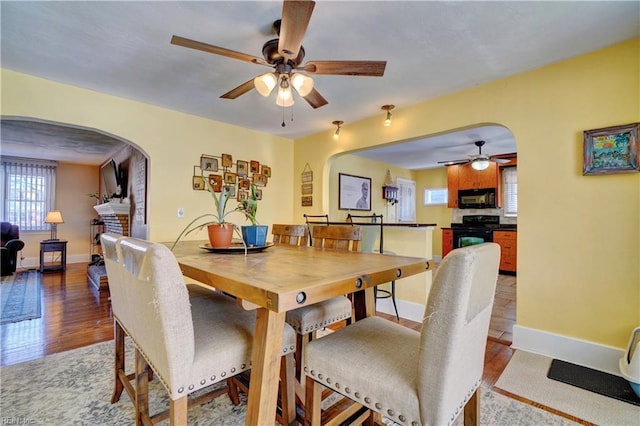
[
  {"x": 463, "y": 176},
  {"x": 509, "y": 249},
  {"x": 447, "y": 241},
  {"x": 469, "y": 178}
]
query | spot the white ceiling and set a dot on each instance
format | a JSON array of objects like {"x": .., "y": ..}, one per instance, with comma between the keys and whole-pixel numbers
[{"x": 431, "y": 48}]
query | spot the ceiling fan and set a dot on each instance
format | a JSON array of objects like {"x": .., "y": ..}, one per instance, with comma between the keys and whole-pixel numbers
[
  {"x": 478, "y": 162},
  {"x": 285, "y": 55}
]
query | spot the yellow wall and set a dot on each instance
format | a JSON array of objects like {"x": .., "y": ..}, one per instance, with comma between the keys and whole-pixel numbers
[
  {"x": 173, "y": 141},
  {"x": 440, "y": 214},
  {"x": 578, "y": 236}
]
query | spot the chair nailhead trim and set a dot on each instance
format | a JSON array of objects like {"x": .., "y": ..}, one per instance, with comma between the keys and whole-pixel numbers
[
  {"x": 180, "y": 390},
  {"x": 243, "y": 366},
  {"x": 320, "y": 376},
  {"x": 213, "y": 378},
  {"x": 203, "y": 381},
  {"x": 357, "y": 394},
  {"x": 328, "y": 380},
  {"x": 414, "y": 424},
  {"x": 223, "y": 374},
  {"x": 337, "y": 385},
  {"x": 378, "y": 406},
  {"x": 391, "y": 412},
  {"x": 306, "y": 369},
  {"x": 191, "y": 387},
  {"x": 233, "y": 370},
  {"x": 347, "y": 390},
  {"x": 367, "y": 400},
  {"x": 402, "y": 418}
]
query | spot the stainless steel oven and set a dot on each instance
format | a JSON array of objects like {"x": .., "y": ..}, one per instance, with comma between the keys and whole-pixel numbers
[{"x": 474, "y": 229}]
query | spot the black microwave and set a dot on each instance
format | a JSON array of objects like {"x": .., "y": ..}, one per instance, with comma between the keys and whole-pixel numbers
[{"x": 484, "y": 198}]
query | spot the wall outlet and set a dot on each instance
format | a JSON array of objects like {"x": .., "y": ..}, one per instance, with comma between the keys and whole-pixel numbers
[{"x": 180, "y": 212}]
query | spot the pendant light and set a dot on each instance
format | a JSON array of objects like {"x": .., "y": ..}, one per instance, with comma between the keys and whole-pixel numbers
[
  {"x": 388, "y": 108},
  {"x": 302, "y": 84},
  {"x": 338, "y": 125},
  {"x": 285, "y": 97}
]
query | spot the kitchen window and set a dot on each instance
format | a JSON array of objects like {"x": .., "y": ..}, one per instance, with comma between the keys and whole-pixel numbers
[
  {"x": 28, "y": 189},
  {"x": 510, "y": 186},
  {"x": 435, "y": 196}
]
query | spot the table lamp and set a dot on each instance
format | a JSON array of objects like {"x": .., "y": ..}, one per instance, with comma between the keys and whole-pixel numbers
[{"x": 54, "y": 217}]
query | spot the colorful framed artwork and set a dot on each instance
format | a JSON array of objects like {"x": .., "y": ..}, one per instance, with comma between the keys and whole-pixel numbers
[
  {"x": 611, "y": 150},
  {"x": 227, "y": 160},
  {"x": 259, "y": 179},
  {"x": 242, "y": 168},
  {"x": 208, "y": 163},
  {"x": 254, "y": 167},
  {"x": 243, "y": 195},
  {"x": 266, "y": 170},
  {"x": 244, "y": 184},
  {"x": 258, "y": 194}
]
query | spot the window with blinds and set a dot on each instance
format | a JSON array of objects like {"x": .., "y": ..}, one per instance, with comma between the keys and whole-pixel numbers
[
  {"x": 510, "y": 191},
  {"x": 28, "y": 192}
]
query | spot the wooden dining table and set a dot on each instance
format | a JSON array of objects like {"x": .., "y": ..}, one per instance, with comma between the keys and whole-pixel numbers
[{"x": 282, "y": 278}]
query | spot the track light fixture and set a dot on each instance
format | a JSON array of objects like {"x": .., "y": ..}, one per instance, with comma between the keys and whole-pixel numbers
[
  {"x": 338, "y": 125},
  {"x": 388, "y": 108}
]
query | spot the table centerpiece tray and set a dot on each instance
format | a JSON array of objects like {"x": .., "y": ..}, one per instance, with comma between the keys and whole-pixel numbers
[{"x": 235, "y": 248}]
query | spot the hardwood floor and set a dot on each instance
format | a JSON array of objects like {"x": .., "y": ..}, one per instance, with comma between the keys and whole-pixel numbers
[{"x": 74, "y": 314}]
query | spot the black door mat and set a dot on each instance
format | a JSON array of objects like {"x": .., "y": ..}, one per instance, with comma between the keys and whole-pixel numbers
[{"x": 593, "y": 380}]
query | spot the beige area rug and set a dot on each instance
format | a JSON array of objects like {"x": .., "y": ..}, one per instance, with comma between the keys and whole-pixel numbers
[{"x": 526, "y": 376}]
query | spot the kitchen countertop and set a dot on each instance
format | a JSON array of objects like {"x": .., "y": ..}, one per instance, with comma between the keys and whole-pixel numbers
[{"x": 504, "y": 227}]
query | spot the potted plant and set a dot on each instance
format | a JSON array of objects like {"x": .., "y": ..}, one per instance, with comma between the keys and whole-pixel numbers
[
  {"x": 220, "y": 231},
  {"x": 254, "y": 235}
]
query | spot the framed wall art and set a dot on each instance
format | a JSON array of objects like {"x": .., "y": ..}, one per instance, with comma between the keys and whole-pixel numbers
[
  {"x": 611, "y": 150},
  {"x": 354, "y": 192},
  {"x": 208, "y": 163}
]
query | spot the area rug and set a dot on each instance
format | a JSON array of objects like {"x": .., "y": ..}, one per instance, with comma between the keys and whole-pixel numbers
[
  {"x": 75, "y": 387},
  {"x": 526, "y": 376},
  {"x": 20, "y": 296}
]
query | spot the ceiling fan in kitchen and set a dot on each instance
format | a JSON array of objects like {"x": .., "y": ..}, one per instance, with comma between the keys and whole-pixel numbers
[
  {"x": 285, "y": 55},
  {"x": 478, "y": 162}
]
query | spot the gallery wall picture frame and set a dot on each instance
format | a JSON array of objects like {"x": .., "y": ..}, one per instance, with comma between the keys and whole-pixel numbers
[
  {"x": 198, "y": 183},
  {"x": 258, "y": 193},
  {"x": 227, "y": 160},
  {"x": 254, "y": 167},
  {"x": 307, "y": 201},
  {"x": 208, "y": 163},
  {"x": 265, "y": 170},
  {"x": 216, "y": 182},
  {"x": 354, "y": 192},
  {"x": 242, "y": 168},
  {"x": 307, "y": 189},
  {"x": 230, "y": 177},
  {"x": 610, "y": 150}
]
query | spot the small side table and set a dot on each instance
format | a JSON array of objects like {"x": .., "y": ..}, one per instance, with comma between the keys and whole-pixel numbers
[{"x": 47, "y": 246}]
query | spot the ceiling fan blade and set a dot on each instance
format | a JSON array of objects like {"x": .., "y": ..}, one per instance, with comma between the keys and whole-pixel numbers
[
  {"x": 315, "y": 99},
  {"x": 453, "y": 162},
  {"x": 239, "y": 91},
  {"x": 295, "y": 19},
  {"x": 209, "y": 48},
  {"x": 366, "y": 68},
  {"x": 500, "y": 160}
]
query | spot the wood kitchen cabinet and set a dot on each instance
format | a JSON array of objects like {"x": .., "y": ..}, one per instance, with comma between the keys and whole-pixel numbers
[
  {"x": 463, "y": 176},
  {"x": 509, "y": 249},
  {"x": 447, "y": 241}
]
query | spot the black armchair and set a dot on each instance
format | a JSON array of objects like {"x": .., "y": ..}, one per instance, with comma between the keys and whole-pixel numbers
[{"x": 10, "y": 245}]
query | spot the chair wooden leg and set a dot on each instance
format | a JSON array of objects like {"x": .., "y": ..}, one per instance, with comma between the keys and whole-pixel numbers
[
  {"x": 142, "y": 389},
  {"x": 178, "y": 411},
  {"x": 301, "y": 341},
  {"x": 118, "y": 340},
  {"x": 313, "y": 403},
  {"x": 287, "y": 389},
  {"x": 233, "y": 391},
  {"x": 472, "y": 410}
]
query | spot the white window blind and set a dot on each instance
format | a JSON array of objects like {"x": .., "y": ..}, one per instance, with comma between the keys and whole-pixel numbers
[
  {"x": 510, "y": 185},
  {"x": 28, "y": 192}
]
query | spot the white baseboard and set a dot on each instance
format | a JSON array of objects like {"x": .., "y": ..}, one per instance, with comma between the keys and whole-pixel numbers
[
  {"x": 34, "y": 262},
  {"x": 576, "y": 351},
  {"x": 408, "y": 310}
]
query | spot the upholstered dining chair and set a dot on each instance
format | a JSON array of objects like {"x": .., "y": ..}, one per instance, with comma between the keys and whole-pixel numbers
[
  {"x": 308, "y": 320},
  {"x": 415, "y": 378},
  {"x": 192, "y": 337},
  {"x": 371, "y": 232}
]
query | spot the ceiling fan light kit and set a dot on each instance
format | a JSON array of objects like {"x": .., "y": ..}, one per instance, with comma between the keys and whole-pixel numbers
[
  {"x": 387, "y": 119},
  {"x": 480, "y": 163},
  {"x": 265, "y": 83}
]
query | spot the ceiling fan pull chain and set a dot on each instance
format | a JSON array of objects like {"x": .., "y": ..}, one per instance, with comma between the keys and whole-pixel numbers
[{"x": 283, "y": 125}]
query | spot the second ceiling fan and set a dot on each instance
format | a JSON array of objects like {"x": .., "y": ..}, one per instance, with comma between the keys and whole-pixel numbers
[
  {"x": 478, "y": 162},
  {"x": 285, "y": 55}
]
